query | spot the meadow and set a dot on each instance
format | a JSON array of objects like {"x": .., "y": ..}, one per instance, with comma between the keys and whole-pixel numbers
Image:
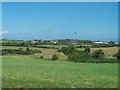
[
  {"x": 47, "y": 53},
  {"x": 31, "y": 71},
  {"x": 27, "y": 72}
]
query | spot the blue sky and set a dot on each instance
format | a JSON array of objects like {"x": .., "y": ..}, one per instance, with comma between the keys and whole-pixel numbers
[{"x": 91, "y": 21}]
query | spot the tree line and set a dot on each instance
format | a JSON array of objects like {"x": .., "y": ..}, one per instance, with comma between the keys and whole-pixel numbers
[{"x": 19, "y": 51}]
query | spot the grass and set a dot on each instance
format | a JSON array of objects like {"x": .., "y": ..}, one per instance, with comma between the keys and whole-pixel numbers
[{"x": 27, "y": 72}]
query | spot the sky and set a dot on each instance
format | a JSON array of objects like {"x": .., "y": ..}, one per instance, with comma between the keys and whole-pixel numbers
[{"x": 60, "y": 20}]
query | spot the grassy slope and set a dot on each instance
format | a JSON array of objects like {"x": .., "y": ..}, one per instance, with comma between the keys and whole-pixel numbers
[{"x": 28, "y": 72}]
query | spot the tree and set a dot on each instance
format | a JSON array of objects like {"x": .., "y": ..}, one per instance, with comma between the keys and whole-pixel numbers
[{"x": 111, "y": 42}]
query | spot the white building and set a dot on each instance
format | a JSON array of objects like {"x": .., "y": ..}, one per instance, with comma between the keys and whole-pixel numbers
[{"x": 100, "y": 42}]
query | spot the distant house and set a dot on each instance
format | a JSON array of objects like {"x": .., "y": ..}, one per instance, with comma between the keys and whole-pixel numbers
[
  {"x": 55, "y": 41},
  {"x": 74, "y": 43},
  {"x": 100, "y": 42},
  {"x": 33, "y": 41}
]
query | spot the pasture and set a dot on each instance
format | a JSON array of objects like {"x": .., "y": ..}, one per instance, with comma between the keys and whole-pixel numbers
[
  {"x": 47, "y": 53},
  {"x": 26, "y": 72}
]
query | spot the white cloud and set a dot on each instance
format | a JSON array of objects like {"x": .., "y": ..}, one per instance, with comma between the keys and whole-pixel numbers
[{"x": 3, "y": 32}]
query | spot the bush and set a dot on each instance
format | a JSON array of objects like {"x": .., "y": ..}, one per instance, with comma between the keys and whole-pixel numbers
[
  {"x": 55, "y": 57},
  {"x": 87, "y": 49},
  {"x": 79, "y": 57},
  {"x": 37, "y": 51},
  {"x": 74, "y": 57},
  {"x": 41, "y": 56},
  {"x": 67, "y": 50},
  {"x": 80, "y": 46},
  {"x": 98, "y": 54},
  {"x": 27, "y": 49},
  {"x": 21, "y": 49},
  {"x": 118, "y": 54}
]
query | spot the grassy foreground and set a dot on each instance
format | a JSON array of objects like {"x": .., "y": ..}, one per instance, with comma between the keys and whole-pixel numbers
[{"x": 27, "y": 72}]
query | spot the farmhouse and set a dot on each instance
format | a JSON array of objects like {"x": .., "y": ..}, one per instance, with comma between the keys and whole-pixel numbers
[
  {"x": 54, "y": 41},
  {"x": 35, "y": 41},
  {"x": 100, "y": 42},
  {"x": 74, "y": 43}
]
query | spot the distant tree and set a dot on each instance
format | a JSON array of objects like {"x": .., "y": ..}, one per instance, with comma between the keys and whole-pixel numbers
[{"x": 111, "y": 42}]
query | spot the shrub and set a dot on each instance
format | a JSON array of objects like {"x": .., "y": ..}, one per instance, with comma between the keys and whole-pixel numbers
[
  {"x": 55, "y": 57},
  {"x": 79, "y": 57},
  {"x": 27, "y": 49},
  {"x": 80, "y": 46},
  {"x": 21, "y": 49},
  {"x": 67, "y": 50},
  {"x": 73, "y": 57},
  {"x": 98, "y": 54},
  {"x": 87, "y": 49},
  {"x": 41, "y": 56},
  {"x": 37, "y": 51},
  {"x": 118, "y": 54}
]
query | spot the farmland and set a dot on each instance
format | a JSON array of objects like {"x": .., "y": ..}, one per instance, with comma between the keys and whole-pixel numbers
[
  {"x": 27, "y": 72},
  {"x": 38, "y": 70},
  {"x": 47, "y": 53}
]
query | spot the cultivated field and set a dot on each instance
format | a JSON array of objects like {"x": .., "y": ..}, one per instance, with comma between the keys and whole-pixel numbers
[{"x": 27, "y": 72}]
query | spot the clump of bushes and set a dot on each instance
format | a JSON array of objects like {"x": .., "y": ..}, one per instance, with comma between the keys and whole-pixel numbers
[
  {"x": 87, "y": 49},
  {"x": 118, "y": 54},
  {"x": 76, "y": 55},
  {"x": 80, "y": 56},
  {"x": 55, "y": 57},
  {"x": 85, "y": 56},
  {"x": 67, "y": 50},
  {"x": 41, "y": 57},
  {"x": 98, "y": 54}
]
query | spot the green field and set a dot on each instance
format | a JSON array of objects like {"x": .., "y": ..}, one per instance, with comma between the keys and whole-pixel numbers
[{"x": 27, "y": 72}]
